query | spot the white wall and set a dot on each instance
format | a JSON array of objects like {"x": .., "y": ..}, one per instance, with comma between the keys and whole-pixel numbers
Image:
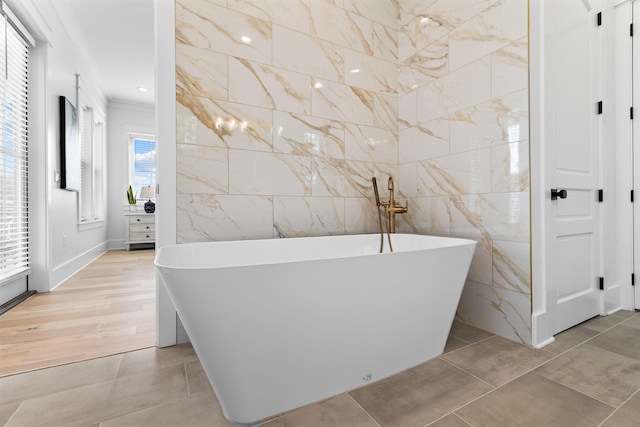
[
  {"x": 60, "y": 247},
  {"x": 123, "y": 118}
]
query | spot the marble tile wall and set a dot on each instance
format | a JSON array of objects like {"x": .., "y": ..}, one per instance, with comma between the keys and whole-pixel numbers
[
  {"x": 286, "y": 108},
  {"x": 464, "y": 150}
]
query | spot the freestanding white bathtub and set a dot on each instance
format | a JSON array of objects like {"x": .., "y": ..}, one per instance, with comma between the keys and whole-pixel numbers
[{"x": 281, "y": 323}]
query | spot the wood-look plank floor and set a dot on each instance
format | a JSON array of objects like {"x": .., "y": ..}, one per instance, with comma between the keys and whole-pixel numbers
[{"x": 107, "y": 308}]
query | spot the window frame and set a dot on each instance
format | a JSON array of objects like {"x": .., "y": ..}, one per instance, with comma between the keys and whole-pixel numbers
[
  {"x": 87, "y": 107},
  {"x": 132, "y": 137},
  {"x": 15, "y": 150}
]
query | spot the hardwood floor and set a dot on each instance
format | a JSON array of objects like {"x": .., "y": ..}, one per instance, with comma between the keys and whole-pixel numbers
[{"x": 107, "y": 308}]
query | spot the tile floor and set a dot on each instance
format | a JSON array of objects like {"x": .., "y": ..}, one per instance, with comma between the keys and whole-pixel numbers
[{"x": 589, "y": 377}]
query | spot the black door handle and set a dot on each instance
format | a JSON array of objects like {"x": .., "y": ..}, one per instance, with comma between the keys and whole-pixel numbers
[{"x": 555, "y": 193}]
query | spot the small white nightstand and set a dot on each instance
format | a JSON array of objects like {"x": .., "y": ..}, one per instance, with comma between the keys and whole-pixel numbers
[{"x": 140, "y": 228}]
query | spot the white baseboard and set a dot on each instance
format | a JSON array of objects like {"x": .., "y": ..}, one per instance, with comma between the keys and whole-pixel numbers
[
  {"x": 116, "y": 244},
  {"x": 63, "y": 272}
]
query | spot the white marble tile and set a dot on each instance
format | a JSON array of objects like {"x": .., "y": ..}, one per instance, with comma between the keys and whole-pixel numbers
[
  {"x": 382, "y": 171},
  {"x": 407, "y": 39},
  {"x": 496, "y": 216},
  {"x": 464, "y": 173},
  {"x": 203, "y": 121},
  {"x": 294, "y": 51},
  {"x": 341, "y": 27},
  {"x": 204, "y": 217},
  {"x": 512, "y": 266},
  {"x": 407, "y": 110},
  {"x": 258, "y": 173},
  {"x": 385, "y": 111},
  {"x": 308, "y": 216},
  {"x": 429, "y": 64},
  {"x": 361, "y": 215},
  {"x": 497, "y": 26},
  {"x": 191, "y": 130},
  {"x": 481, "y": 269},
  {"x": 371, "y": 144},
  {"x": 510, "y": 170},
  {"x": 500, "y": 311},
  {"x": 342, "y": 102},
  {"x": 294, "y": 14},
  {"x": 510, "y": 68},
  {"x": 201, "y": 72},
  {"x": 408, "y": 9},
  {"x": 408, "y": 175},
  {"x": 385, "y": 42},
  {"x": 202, "y": 169},
  {"x": 426, "y": 215},
  {"x": 306, "y": 135},
  {"x": 203, "y": 24},
  {"x": 444, "y": 16},
  {"x": 369, "y": 72},
  {"x": 382, "y": 11},
  {"x": 461, "y": 88},
  {"x": 499, "y": 121},
  {"x": 270, "y": 87},
  {"x": 424, "y": 141},
  {"x": 341, "y": 178}
]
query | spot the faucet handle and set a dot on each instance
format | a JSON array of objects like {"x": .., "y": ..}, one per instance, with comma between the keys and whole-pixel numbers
[{"x": 404, "y": 208}]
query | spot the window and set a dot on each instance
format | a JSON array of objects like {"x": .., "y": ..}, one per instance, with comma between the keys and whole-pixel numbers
[
  {"x": 91, "y": 197},
  {"x": 14, "y": 231},
  {"x": 142, "y": 162}
]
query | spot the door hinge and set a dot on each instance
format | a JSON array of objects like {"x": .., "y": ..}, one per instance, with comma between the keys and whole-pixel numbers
[
  {"x": 633, "y": 279},
  {"x": 631, "y": 196},
  {"x": 601, "y": 195},
  {"x": 602, "y": 283},
  {"x": 599, "y": 107},
  {"x": 599, "y": 18},
  {"x": 631, "y": 30},
  {"x": 631, "y": 113}
]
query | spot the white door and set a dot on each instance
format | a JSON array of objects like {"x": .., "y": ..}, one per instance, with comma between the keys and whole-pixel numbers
[
  {"x": 636, "y": 152},
  {"x": 572, "y": 135}
]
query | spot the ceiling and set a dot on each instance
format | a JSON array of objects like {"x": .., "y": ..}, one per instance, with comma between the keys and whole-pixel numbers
[{"x": 117, "y": 36}]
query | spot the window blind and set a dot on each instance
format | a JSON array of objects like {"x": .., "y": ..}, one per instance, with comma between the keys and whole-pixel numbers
[
  {"x": 91, "y": 134},
  {"x": 86, "y": 164},
  {"x": 14, "y": 231}
]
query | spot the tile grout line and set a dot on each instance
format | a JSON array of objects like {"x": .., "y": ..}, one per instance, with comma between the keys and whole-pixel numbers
[
  {"x": 619, "y": 407},
  {"x": 365, "y": 411},
  {"x": 453, "y": 365},
  {"x": 15, "y": 412},
  {"x": 494, "y": 387},
  {"x": 555, "y": 356},
  {"x": 468, "y": 344}
]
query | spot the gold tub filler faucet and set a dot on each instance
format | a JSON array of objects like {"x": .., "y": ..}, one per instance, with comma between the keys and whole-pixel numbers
[{"x": 391, "y": 208}]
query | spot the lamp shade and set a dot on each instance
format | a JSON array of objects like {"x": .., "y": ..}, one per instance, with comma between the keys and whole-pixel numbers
[{"x": 147, "y": 193}]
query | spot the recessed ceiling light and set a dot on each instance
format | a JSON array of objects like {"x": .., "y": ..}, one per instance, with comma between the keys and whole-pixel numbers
[
  {"x": 246, "y": 39},
  {"x": 143, "y": 89},
  {"x": 318, "y": 85},
  {"x": 355, "y": 70}
]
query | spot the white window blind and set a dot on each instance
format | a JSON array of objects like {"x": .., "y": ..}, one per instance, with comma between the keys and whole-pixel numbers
[
  {"x": 14, "y": 232},
  {"x": 91, "y": 159},
  {"x": 86, "y": 162},
  {"x": 142, "y": 162}
]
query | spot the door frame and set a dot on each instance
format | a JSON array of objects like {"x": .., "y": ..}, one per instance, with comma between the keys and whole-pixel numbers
[{"x": 612, "y": 179}]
